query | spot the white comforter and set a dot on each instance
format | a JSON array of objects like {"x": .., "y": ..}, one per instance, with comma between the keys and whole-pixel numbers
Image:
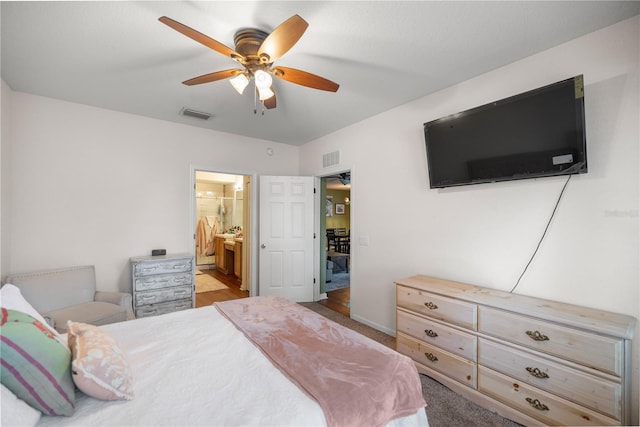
[{"x": 193, "y": 368}]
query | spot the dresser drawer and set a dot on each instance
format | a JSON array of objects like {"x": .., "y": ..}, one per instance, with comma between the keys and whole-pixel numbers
[
  {"x": 546, "y": 407},
  {"x": 453, "y": 340},
  {"x": 438, "y": 307},
  {"x": 599, "y": 352},
  {"x": 166, "y": 266},
  {"x": 146, "y": 283},
  {"x": 601, "y": 394},
  {"x": 453, "y": 366},
  {"x": 162, "y": 295},
  {"x": 163, "y": 308}
]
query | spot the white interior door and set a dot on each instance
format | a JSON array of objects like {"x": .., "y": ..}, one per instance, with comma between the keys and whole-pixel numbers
[{"x": 286, "y": 252}]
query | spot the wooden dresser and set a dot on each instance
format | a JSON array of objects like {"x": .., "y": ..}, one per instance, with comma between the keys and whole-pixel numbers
[
  {"x": 531, "y": 360},
  {"x": 162, "y": 284}
]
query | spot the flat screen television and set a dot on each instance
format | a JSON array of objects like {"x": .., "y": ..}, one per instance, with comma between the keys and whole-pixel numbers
[{"x": 531, "y": 135}]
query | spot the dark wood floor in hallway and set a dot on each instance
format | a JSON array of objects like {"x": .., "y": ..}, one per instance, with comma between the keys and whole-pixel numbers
[{"x": 338, "y": 300}]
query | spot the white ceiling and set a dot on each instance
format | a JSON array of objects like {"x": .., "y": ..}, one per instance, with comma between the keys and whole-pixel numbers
[{"x": 117, "y": 55}]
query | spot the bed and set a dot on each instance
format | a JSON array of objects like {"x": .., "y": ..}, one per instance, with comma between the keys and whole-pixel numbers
[{"x": 198, "y": 367}]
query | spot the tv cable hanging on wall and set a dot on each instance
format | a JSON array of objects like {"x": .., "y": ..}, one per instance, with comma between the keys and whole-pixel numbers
[{"x": 555, "y": 208}]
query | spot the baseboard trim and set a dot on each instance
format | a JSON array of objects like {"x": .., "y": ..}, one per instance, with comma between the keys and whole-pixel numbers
[{"x": 374, "y": 325}]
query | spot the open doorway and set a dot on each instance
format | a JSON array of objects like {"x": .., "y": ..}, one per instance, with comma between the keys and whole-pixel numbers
[
  {"x": 336, "y": 247},
  {"x": 222, "y": 220}
]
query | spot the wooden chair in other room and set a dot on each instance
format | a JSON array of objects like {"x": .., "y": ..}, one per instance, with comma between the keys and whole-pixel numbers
[{"x": 331, "y": 239}]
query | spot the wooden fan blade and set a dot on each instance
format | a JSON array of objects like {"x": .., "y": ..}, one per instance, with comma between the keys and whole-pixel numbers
[
  {"x": 305, "y": 79},
  {"x": 271, "y": 102},
  {"x": 200, "y": 38},
  {"x": 282, "y": 39},
  {"x": 212, "y": 77}
]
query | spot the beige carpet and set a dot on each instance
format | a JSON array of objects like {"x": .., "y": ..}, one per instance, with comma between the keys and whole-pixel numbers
[{"x": 206, "y": 283}]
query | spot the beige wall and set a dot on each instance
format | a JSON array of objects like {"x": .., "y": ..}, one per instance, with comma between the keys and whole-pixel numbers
[
  {"x": 93, "y": 186},
  {"x": 485, "y": 234},
  {"x": 5, "y": 171}
]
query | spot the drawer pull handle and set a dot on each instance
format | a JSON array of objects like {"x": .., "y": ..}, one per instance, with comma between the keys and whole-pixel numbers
[
  {"x": 430, "y": 305},
  {"x": 432, "y": 357},
  {"x": 537, "y": 336},
  {"x": 537, "y": 373},
  {"x": 535, "y": 403},
  {"x": 430, "y": 333}
]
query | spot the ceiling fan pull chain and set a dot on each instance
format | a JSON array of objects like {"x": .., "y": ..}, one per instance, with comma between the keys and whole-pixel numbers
[{"x": 255, "y": 98}]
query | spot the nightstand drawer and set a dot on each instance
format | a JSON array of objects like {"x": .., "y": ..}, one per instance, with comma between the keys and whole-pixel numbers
[
  {"x": 601, "y": 394},
  {"x": 430, "y": 331},
  {"x": 591, "y": 350},
  {"x": 163, "y": 308},
  {"x": 453, "y": 366},
  {"x": 162, "y": 295},
  {"x": 438, "y": 307},
  {"x": 162, "y": 281},
  {"x": 548, "y": 408},
  {"x": 165, "y": 266}
]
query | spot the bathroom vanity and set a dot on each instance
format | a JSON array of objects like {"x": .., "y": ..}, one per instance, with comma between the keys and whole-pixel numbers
[{"x": 228, "y": 250}]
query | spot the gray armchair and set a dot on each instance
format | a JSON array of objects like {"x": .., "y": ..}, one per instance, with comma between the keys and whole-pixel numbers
[{"x": 70, "y": 294}]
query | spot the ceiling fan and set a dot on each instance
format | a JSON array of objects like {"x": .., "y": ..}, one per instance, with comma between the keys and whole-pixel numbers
[
  {"x": 256, "y": 51},
  {"x": 344, "y": 178}
]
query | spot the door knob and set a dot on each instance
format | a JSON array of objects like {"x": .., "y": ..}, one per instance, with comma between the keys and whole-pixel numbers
[{"x": 263, "y": 246}]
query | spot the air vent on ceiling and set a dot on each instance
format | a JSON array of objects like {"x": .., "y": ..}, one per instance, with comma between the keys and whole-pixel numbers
[
  {"x": 331, "y": 159},
  {"x": 196, "y": 114}
]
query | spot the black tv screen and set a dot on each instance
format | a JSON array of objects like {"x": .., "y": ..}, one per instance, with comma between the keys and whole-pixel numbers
[{"x": 534, "y": 134}]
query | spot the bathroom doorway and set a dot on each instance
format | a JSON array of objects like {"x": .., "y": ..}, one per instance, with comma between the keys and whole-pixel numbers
[{"x": 222, "y": 218}]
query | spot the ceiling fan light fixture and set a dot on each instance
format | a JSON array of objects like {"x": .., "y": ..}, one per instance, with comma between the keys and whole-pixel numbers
[
  {"x": 263, "y": 80},
  {"x": 265, "y": 93},
  {"x": 345, "y": 178},
  {"x": 239, "y": 82}
]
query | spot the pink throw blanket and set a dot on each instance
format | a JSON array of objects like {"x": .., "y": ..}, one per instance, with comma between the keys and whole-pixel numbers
[{"x": 356, "y": 380}]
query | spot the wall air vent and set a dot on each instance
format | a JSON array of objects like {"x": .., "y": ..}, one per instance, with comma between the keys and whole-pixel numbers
[
  {"x": 195, "y": 114},
  {"x": 331, "y": 159}
]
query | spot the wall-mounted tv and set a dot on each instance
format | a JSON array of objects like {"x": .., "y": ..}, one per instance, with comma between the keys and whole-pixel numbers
[{"x": 531, "y": 135}]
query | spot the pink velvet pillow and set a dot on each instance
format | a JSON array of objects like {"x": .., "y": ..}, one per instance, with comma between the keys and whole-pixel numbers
[{"x": 99, "y": 367}]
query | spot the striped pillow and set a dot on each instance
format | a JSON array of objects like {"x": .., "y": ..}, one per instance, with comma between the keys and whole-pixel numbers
[{"x": 36, "y": 367}]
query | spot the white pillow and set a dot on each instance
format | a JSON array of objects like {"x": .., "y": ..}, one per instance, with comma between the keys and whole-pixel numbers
[
  {"x": 16, "y": 412},
  {"x": 11, "y": 298}
]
